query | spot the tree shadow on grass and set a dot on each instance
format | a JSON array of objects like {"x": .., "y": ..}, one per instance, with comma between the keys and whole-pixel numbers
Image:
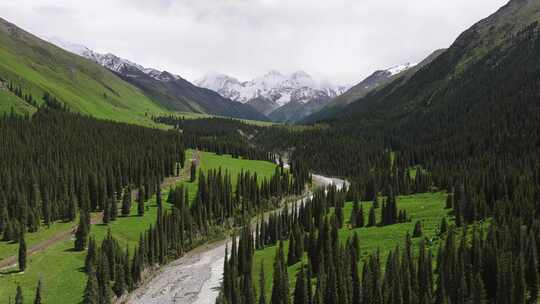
[{"x": 9, "y": 272}]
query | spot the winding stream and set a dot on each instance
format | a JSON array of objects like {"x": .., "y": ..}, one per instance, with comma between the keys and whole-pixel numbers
[{"x": 196, "y": 277}]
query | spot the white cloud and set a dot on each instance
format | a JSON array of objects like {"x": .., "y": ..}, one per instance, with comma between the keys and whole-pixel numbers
[{"x": 340, "y": 40}]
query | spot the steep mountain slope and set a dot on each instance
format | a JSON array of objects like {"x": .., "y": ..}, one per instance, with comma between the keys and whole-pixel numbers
[
  {"x": 375, "y": 81},
  {"x": 479, "y": 56},
  {"x": 37, "y": 67},
  {"x": 171, "y": 91},
  {"x": 297, "y": 92}
]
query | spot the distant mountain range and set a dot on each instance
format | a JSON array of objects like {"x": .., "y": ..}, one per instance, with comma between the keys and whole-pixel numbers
[
  {"x": 169, "y": 90},
  {"x": 274, "y": 92},
  {"x": 292, "y": 98}
]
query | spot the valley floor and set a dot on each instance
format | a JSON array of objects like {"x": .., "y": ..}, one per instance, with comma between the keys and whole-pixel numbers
[{"x": 60, "y": 268}]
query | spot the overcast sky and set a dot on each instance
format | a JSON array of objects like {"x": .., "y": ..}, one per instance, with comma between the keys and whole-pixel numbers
[{"x": 339, "y": 40}]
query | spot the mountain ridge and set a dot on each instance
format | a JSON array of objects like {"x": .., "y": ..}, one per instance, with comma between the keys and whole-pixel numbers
[
  {"x": 273, "y": 90},
  {"x": 169, "y": 90}
]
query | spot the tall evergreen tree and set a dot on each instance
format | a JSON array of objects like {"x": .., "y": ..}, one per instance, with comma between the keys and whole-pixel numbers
[
  {"x": 91, "y": 291},
  {"x": 140, "y": 201},
  {"x": 126, "y": 202},
  {"x": 22, "y": 253},
  {"x": 372, "y": 220},
  {"x": 19, "y": 296},
  {"x": 300, "y": 290},
  {"x": 81, "y": 234},
  {"x": 37, "y": 299}
]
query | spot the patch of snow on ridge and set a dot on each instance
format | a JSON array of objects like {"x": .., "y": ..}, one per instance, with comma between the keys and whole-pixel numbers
[
  {"x": 400, "y": 68},
  {"x": 110, "y": 61}
]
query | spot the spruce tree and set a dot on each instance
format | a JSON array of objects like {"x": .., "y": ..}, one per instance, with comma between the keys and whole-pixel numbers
[
  {"x": 91, "y": 291},
  {"x": 119, "y": 286},
  {"x": 360, "y": 217},
  {"x": 478, "y": 293},
  {"x": 354, "y": 214},
  {"x": 19, "y": 296},
  {"x": 444, "y": 226},
  {"x": 262, "y": 283},
  {"x": 91, "y": 255},
  {"x": 417, "y": 232},
  {"x": 22, "y": 253},
  {"x": 300, "y": 290},
  {"x": 126, "y": 202},
  {"x": 106, "y": 212},
  {"x": 114, "y": 209},
  {"x": 140, "y": 201},
  {"x": 372, "y": 220},
  {"x": 81, "y": 234},
  {"x": 37, "y": 299}
]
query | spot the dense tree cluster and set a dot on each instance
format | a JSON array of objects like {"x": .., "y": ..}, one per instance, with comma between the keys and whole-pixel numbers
[
  {"x": 188, "y": 223},
  {"x": 56, "y": 163},
  {"x": 220, "y": 135},
  {"x": 478, "y": 140}
]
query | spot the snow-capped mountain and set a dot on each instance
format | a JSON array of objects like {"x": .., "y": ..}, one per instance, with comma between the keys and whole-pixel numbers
[
  {"x": 169, "y": 90},
  {"x": 111, "y": 61},
  {"x": 272, "y": 90},
  {"x": 375, "y": 81}
]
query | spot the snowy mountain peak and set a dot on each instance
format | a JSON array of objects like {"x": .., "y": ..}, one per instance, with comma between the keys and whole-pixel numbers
[
  {"x": 274, "y": 87},
  {"x": 111, "y": 61}
]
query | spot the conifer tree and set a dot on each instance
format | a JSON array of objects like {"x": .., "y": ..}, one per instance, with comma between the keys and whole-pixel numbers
[
  {"x": 126, "y": 202},
  {"x": 81, "y": 234},
  {"x": 22, "y": 253},
  {"x": 375, "y": 202},
  {"x": 158, "y": 196},
  {"x": 91, "y": 291},
  {"x": 106, "y": 212},
  {"x": 37, "y": 299},
  {"x": 262, "y": 283},
  {"x": 417, "y": 232},
  {"x": 19, "y": 296},
  {"x": 114, "y": 209},
  {"x": 443, "y": 227},
  {"x": 280, "y": 285},
  {"x": 372, "y": 221},
  {"x": 300, "y": 290},
  {"x": 119, "y": 286},
  {"x": 478, "y": 293},
  {"x": 354, "y": 214},
  {"x": 140, "y": 201},
  {"x": 91, "y": 255}
]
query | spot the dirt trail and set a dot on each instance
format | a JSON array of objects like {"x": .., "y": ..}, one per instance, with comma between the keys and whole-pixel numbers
[{"x": 12, "y": 261}]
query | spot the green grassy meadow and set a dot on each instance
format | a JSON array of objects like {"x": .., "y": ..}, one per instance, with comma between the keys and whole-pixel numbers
[
  {"x": 426, "y": 207},
  {"x": 60, "y": 268}
]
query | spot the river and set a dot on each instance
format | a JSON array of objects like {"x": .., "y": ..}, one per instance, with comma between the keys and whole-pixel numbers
[{"x": 196, "y": 277}]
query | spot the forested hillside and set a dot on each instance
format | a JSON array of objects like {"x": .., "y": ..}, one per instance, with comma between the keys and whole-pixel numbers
[
  {"x": 468, "y": 124},
  {"x": 37, "y": 67}
]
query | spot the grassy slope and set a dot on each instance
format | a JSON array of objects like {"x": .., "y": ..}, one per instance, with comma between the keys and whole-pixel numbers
[
  {"x": 85, "y": 86},
  {"x": 427, "y": 207},
  {"x": 60, "y": 267}
]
